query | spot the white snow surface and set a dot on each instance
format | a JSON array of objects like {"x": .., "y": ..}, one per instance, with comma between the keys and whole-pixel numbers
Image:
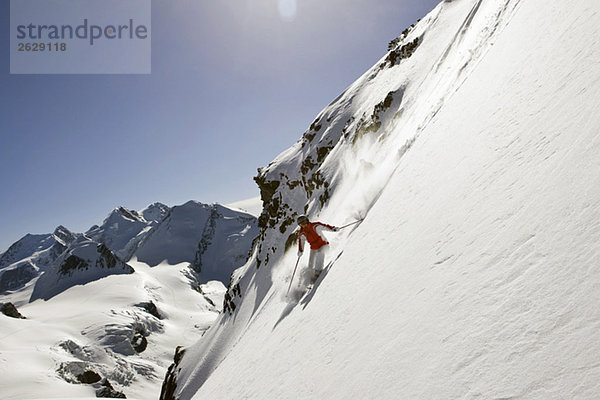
[
  {"x": 252, "y": 205},
  {"x": 91, "y": 327},
  {"x": 475, "y": 273}
]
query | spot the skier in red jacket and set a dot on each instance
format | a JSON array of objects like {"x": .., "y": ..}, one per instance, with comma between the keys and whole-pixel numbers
[{"x": 312, "y": 232}]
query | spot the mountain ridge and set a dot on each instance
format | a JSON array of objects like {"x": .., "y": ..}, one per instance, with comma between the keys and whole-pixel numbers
[{"x": 122, "y": 235}]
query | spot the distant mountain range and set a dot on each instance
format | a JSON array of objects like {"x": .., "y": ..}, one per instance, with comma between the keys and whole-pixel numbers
[
  {"x": 214, "y": 239},
  {"x": 105, "y": 309}
]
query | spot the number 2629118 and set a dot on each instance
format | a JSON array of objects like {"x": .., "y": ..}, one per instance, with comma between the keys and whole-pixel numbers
[{"x": 42, "y": 46}]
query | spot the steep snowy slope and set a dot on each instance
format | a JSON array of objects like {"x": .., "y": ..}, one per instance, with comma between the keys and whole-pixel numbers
[
  {"x": 252, "y": 206},
  {"x": 16, "y": 268},
  {"x": 24, "y": 248},
  {"x": 471, "y": 150}
]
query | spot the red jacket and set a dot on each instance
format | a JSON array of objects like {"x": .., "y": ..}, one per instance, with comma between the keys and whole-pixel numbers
[{"x": 315, "y": 240}]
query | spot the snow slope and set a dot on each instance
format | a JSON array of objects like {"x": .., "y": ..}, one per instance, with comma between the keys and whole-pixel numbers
[
  {"x": 24, "y": 248},
  {"x": 471, "y": 149},
  {"x": 252, "y": 206},
  {"x": 94, "y": 327}
]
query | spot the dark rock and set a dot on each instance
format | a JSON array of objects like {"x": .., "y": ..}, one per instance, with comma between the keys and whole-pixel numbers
[
  {"x": 150, "y": 308},
  {"x": 228, "y": 301},
  {"x": 10, "y": 310},
  {"x": 71, "y": 264},
  {"x": 169, "y": 385},
  {"x": 207, "y": 236},
  {"x": 107, "y": 391},
  {"x": 89, "y": 377},
  {"x": 139, "y": 342},
  {"x": 315, "y": 126},
  {"x": 395, "y": 56},
  {"x": 267, "y": 188},
  {"x": 109, "y": 258}
]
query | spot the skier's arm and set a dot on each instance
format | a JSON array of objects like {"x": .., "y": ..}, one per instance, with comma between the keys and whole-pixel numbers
[
  {"x": 326, "y": 226},
  {"x": 300, "y": 243}
]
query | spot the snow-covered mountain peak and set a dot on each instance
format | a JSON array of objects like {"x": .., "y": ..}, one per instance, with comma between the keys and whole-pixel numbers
[
  {"x": 155, "y": 212},
  {"x": 26, "y": 247},
  {"x": 129, "y": 214},
  {"x": 192, "y": 205},
  {"x": 213, "y": 238},
  {"x": 63, "y": 236}
]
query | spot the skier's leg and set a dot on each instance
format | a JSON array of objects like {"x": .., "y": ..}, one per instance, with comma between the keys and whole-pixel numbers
[
  {"x": 317, "y": 266},
  {"x": 320, "y": 259},
  {"x": 309, "y": 273},
  {"x": 312, "y": 259}
]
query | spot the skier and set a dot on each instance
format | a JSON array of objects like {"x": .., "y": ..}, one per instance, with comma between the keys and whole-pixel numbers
[{"x": 311, "y": 232}]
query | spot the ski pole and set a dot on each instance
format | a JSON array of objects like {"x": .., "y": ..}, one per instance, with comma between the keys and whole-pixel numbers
[
  {"x": 351, "y": 223},
  {"x": 291, "y": 280}
]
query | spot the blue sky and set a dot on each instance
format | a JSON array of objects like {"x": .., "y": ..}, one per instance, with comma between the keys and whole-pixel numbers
[{"x": 233, "y": 83}]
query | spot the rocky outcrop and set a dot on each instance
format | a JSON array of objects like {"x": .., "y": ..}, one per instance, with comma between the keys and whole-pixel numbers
[
  {"x": 150, "y": 308},
  {"x": 107, "y": 391},
  {"x": 170, "y": 383},
  {"x": 89, "y": 376},
  {"x": 79, "y": 372},
  {"x": 10, "y": 310},
  {"x": 139, "y": 342},
  {"x": 93, "y": 363}
]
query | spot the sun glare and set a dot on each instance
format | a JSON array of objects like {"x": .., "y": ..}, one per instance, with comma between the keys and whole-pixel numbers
[{"x": 287, "y": 9}]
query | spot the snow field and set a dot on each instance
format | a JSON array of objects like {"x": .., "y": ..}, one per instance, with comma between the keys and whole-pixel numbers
[{"x": 99, "y": 316}]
